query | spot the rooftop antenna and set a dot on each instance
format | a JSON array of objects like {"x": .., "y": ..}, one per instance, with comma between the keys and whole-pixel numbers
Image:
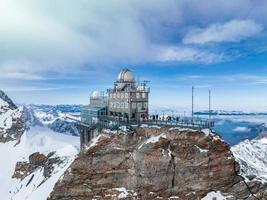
[
  {"x": 209, "y": 108},
  {"x": 192, "y": 103}
]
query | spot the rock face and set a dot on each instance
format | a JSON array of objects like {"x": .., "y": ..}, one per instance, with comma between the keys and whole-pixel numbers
[
  {"x": 12, "y": 119},
  {"x": 153, "y": 163},
  {"x": 6, "y": 99},
  {"x": 36, "y": 160}
]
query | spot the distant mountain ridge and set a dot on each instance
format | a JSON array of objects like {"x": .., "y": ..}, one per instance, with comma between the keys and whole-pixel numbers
[{"x": 224, "y": 112}]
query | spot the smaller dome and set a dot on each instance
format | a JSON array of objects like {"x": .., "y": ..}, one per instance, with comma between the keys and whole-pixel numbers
[
  {"x": 126, "y": 76},
  {"x": 95, "y": 94}
]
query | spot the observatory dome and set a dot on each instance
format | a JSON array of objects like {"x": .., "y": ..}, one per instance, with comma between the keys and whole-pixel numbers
[
  {"x": 95, "y": 94},
  {"x": 126, "y": 76}
]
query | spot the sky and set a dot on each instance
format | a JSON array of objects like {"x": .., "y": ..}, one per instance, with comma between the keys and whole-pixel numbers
[{"x": 58, "y": 52}]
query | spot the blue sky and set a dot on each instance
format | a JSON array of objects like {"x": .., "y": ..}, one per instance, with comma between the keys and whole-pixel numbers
[{"x": 58, "y": 52}]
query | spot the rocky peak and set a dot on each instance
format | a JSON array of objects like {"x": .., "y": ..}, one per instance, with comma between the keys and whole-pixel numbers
[
  {"x": 12, "y": 119},
  {"x": 37, "y": 160},
  {"x": 6, "y": 99},
  {"x": 154, "y": 163}
]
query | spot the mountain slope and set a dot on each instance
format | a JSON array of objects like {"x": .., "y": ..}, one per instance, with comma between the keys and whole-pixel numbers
[
  {"x": 156, "y": 163},
  {"x": 252, "y": 157},
  {"x": 33, "y": 157}
]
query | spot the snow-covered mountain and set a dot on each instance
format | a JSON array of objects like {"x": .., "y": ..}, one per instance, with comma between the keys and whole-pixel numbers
[
  {"x": 252, "y": 157},
  {"x": 59, "y": 118},
  {"x": 33, "y": 157},
  {"x": 12, "y": 119}
]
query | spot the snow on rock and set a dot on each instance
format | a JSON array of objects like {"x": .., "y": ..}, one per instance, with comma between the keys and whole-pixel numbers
[
  {"x": 252, "y": 157},
  {"x": 94, "y": 141},
  {"x": 12, "y": 122},
  {"x": 123, "y": 192},
  {"x": 215, "y": 196},
  {"x": 34, "y": 186},
  {"x": 153, "y": 139},
  {"x": 201, "y": 150}
]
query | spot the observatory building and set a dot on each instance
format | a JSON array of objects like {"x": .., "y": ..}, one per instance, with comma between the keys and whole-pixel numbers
[{"x": 126, "y": 101}]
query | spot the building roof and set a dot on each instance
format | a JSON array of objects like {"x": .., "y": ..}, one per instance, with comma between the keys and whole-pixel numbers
[
  {"x": 96, "y": 94},
  {"x": 126, "y": 75}
]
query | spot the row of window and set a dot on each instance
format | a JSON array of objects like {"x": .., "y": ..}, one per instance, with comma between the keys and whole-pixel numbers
[
  {"x": 125, "y": 105},
  {"x": 126, "y": 95}
]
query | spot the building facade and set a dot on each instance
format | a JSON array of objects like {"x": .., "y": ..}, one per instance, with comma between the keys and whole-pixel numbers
[
  {"x": 128, "y": 99},
  {"x": 97, "y": 108}
]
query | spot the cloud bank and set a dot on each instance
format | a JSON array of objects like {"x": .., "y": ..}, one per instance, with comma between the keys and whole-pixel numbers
[
  {"x": 231, "y": 31},
  {"x": 65, "y": 36}
]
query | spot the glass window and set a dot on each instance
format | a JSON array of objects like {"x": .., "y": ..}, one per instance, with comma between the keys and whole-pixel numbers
[
  {"x": 145, "y": 105},
  {"x": 137, "y": 95},
  {"x": 122, "y": 105},
  {"x": 143, "y": 95},
  {"x": 133, "y": 105},
  {"x": 122, "y": 95},
  {"x": 126, "y": 95},
  {"x": 139, "y": 105},
  {"x": 118, "y": 104},
  {"x": 126, "y": 105},
  {"x": 118, "y": 95}
]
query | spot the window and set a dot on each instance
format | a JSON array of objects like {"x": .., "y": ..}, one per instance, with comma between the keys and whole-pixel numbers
[
  {"x": 122, "y": 105},
  {"x": 143, "y": 95},
  {"x": 126, "y": 95},
  {"x": 139, "y": 107},
  {"x": 118, "y": 95},
  {"x": 122, "y": 95},
  {"x": 118, "y": 105},
  {"x": 114, "y": 95},
  {"x": 126, "y": 105},
  {"x": 145, "y": 105},
  {"x": 133, "y": 105},
  {"x": 137, "y": 95}
]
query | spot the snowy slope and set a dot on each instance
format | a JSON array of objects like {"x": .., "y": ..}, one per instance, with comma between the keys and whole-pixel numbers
[
  {"x": 252, "y": 157},
  {"x": 37, "y": 139}
]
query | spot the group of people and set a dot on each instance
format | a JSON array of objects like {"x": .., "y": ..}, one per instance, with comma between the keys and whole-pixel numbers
[{"x": 163, "y": 118}]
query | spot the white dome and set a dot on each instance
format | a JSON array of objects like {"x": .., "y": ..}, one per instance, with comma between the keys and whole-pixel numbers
[
  {"x": 126, "y": 76},
  {"x": 95, "y": 94}
]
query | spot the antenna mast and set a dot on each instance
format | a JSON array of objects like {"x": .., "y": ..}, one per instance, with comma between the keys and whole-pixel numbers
[
  {"x": 192, "y": 103},
  {"x": 209, "y": 104}
]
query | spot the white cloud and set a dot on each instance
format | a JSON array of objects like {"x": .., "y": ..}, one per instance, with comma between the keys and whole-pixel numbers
[
  {"x": 231, "y": 31},
  {"x": 65, "y": 36},
  {"x": 241, "y": 129},
  {"x": 187, "y": 54}
]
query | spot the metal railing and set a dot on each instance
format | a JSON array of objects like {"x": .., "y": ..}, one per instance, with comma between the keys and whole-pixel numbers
[{"x": 115, "y": 123}]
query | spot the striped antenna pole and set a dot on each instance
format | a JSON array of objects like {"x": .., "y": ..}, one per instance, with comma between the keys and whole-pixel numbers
[
  {"x": 209, "y": 108},
  {"x": 192, "y": 103}
]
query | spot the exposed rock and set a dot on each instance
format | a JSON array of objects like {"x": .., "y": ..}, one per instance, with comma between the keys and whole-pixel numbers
[
  {"x": 153, "y": 164},
  {"x": 36, "y": 160},
  {"x": 6, "y": 99}
]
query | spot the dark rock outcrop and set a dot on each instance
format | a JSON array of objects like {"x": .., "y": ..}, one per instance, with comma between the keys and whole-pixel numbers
[
  {"x": 36, "y": 161},
  {"x": 153, "y": 164}
]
